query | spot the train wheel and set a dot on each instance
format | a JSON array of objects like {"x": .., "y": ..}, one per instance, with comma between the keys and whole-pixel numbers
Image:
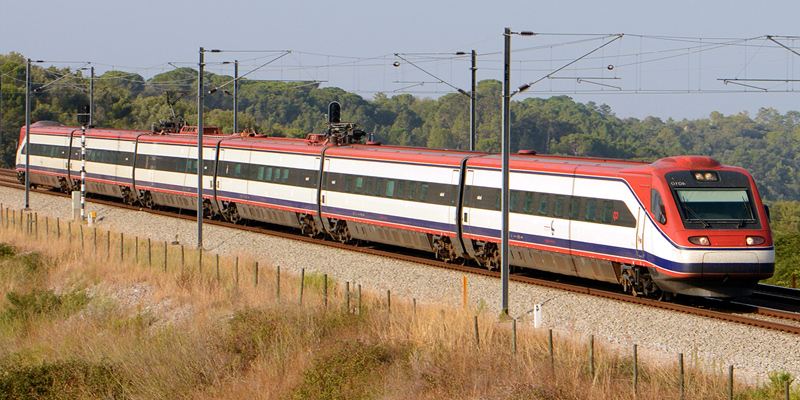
[
  {"x": 443, "y": 249},
  {"x": 230, "y": 213},
  {"x": 127, "y": 196},
  {"x": 62, "y": 184},
  {"x": 307, "y": 225},
  {"x": 146, "y": 199},
  {"x": 487, "y": 254},
  {"x": 208, "y": 209},
  {"x": 339, "y": 231}
]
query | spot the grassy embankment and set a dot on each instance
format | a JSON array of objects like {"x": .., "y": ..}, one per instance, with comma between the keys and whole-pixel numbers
[{"x": 78, "y": 325}]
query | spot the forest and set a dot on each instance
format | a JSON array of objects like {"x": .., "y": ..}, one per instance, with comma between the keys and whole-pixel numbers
[{"x": 767, "y": 144}]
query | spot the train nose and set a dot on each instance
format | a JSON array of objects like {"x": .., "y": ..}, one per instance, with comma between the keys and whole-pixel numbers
[{"x": 723, "y": 263}]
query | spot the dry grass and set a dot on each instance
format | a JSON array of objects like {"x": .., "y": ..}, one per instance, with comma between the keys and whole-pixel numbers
[{"x": 93, "y": 325}]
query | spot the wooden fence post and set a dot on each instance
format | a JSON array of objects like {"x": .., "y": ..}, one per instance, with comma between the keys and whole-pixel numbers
[
  {"x": 514, "y": 336},
  {"x": 730, "y": 382},
  {"x": 681, "y": 379},
  {"x": 255, "y": 274},
  {"x": 550, "y": 350},
  {"x": 359, "y": 299},
  {"x": 302, "y": 283},
  {"x": 635, "y": 370},
  {"x": 347, "y": 297},
  {"x": 325, "y": 290},
  {"x": 278, "y": 283},
  {"x": 236, "y": 271},
  {"x": 216, "y": 265},
  {"x": 591, "y": 356},
  {"x": 477, "y": 334}
]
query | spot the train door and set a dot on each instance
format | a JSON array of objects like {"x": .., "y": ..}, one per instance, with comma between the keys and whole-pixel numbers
[
  {"x": 323, "y": 192},
  {"x": 641, "y": 220},
  {"x": 466, "y": 221},
  {"x": 455, "y": 180}
]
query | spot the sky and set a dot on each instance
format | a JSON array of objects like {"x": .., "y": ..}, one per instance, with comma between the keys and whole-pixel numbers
[{"x": 669, "y": 63}]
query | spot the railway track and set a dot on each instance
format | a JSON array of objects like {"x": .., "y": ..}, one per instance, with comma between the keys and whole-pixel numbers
[{"x": 726, "y": 311}]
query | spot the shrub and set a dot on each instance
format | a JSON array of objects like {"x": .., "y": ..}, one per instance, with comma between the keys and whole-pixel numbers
[
  {"x": 60, "y": 380},
  {"x": 41, "y": 302},
  {"x": 347, "y": 371}
]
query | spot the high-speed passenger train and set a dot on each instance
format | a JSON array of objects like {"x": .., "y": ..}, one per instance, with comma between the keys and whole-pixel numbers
[{"x": 680, "y": 225}]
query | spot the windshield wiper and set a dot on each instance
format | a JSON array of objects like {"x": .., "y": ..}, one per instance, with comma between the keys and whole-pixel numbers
[
  {"x": 695, "y": 217},
  {"x": 748, "y": 211}
]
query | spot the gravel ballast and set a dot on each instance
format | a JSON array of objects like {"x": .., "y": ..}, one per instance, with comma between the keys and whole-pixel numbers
[{"x": 659, "y": 334}]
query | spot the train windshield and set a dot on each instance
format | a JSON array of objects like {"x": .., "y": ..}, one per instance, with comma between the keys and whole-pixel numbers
[{"x": 715, "y": 205}]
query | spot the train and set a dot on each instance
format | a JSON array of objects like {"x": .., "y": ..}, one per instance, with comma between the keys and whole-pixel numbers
[{"x": 682, "y": 225}]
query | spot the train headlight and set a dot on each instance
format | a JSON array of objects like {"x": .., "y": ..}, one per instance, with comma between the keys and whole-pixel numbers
[
  {"x": 700, "y": 240},
  {"x": 754, "y": 240},
  {"x": 705, "y": 176}
]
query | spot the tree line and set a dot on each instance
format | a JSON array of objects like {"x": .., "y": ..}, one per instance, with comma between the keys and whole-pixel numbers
[{"x": 767, "y": 143}]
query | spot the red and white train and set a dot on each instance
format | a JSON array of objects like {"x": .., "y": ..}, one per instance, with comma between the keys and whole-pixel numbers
[{"x": 679, "y": 225}]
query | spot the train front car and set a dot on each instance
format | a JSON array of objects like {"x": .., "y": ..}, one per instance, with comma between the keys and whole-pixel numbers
[{"x": 709, "y": 235}]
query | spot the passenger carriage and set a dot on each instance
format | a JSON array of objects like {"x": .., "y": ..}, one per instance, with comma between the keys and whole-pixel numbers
[{"x": 679, "y": 225}]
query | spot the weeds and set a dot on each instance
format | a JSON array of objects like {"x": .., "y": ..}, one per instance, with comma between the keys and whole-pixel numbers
[{"x": 190, "y": 336}]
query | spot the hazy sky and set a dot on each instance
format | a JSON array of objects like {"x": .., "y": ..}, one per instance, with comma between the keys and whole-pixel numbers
[{"x": 142, "y": 36}]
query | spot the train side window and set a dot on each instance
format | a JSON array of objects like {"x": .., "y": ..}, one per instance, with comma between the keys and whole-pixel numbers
[
  {"x": 348, "y": 182},
  {"x": 372, "y": 186},
  {"x": 259, "y": 173},
  {"x": 513, "y": 202},
  {"x": 530, "y": 200},
  {"x": 590, "y": 211},
  {"x": 606, "y": 215},
  {"x": 657, "y": 207},
  {"x": 192, "y": 167},
  {"x": 359, "y": 187},
  {"x": 399, "y": 189},
  {"x": 390, "y": 188},
  {"x": 285, "y": 177},
  {"x": 542, "y": 210},
  {"x": 411, "y": 190},
  {"x": 423, "y": 192},
  {"x": 561, "y": 206}
]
